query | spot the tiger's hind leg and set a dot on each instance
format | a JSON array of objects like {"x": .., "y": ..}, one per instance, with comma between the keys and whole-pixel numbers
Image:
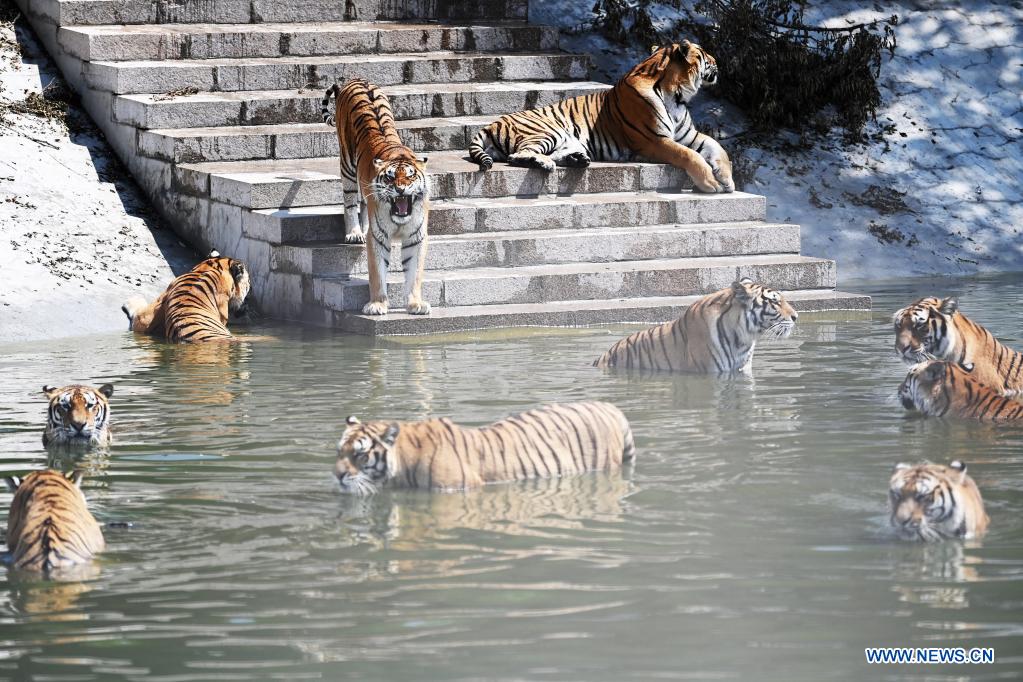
[
  {"x": 534, "y": 153},
  {"x": 571, "y": 154}
]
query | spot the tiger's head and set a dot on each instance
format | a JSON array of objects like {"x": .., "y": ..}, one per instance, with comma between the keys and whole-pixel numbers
[
  {"x": 925, "y": 330},
  {"x": 933, "y": 501},
  {"x": 925, "y": 388},
  {"x": 78, "y": 415},
  {"x": 234, "y": 277},
  {"x": 680, "y": 68},
  {"x": 365, "y": 455},
  {"x": 400, "y": 189},
  {"x": 765, "y": 311}
]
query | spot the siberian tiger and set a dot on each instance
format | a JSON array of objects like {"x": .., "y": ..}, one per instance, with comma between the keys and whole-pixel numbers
[
  {"x": 385, "y": 190},
  {"x": 554, "y": 440},
  {"x": 195, "y": 306},
  {"x": 938, "y": 388},
  {"x": 643, "y": 116},
  {"x": 934, "y": 501},
  {"x": 716, "y": 334},
  {"x": 934, "y": 328},
  {"x": 49, "y": 526},
  {"x": 78, "y": 416}
]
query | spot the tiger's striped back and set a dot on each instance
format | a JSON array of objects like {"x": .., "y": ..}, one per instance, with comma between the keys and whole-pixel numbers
[
  {"x": 49, "y": 525},
  {"x": 935, "y": 328},
  {"x": 717, "y": 334},
  {"x": 937, "y": 388},
  {"x": 555, "y": 440},
  {"x": 197, "y": 304}
]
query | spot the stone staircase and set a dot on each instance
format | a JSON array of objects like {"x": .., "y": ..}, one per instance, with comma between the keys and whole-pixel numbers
[{"x": 214, "y": 106}]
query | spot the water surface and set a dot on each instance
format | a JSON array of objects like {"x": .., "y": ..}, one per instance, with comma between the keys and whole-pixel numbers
[{"x": 748, "y": 542}]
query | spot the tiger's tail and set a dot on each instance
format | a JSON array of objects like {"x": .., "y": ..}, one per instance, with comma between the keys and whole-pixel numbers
[
  {"x": 132, "y": 307},
  {"x": 325, "y": 109},
  {"x": 477, "y": 150}
]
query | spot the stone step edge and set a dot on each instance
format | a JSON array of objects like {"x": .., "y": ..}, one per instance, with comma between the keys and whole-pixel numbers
[{"x": 593, "y": 313}]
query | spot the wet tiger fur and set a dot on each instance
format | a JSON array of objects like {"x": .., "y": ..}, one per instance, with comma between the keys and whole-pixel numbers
[
  {"x": 937, "y": 388},
  {"x": 78, "y": 416},
  {"x": 643, "y": 116},
  {"x": 935, "y": 328},
  {"x": 49, "y": 526},
  {"x": 555, "y": 440},
  {"x": 385, "y": 192},
  {"x": 716, "y": 334},
  {"x": 196, "y": 305},
  {"x": 934, "y": 501}
]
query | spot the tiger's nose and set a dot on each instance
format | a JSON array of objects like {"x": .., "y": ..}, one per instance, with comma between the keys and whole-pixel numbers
[{"x": 795, "y": 316}]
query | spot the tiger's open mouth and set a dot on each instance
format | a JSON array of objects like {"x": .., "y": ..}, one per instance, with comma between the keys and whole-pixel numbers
[{"x": 401, "y": 206}]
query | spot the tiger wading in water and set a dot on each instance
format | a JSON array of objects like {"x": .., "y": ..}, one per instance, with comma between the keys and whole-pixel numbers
[
  {"x": 554, "y": 440},
  {"x": 644, "y": 116},
  {"x": 385, "y": 192}
]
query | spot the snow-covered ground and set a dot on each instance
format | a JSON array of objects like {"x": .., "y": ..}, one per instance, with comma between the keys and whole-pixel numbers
[
  {"x": 954, "y": 94},
  {"x": 77, "y": 236}
]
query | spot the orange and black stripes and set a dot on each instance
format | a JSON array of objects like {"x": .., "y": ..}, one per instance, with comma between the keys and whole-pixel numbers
[
  {"x": 197, "y": 303},
  {"x": 555, "y": 440},
  {"x": 938, "y": 388},
  {"x": 49, "y": 525}
]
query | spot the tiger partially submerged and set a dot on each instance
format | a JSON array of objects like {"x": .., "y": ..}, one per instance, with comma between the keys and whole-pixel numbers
[
  {"x": 933, "y": 501},
  {"x": 935, "y": 328},
  {"x": 49, "y": 526},
  {"x": 196, "y": 305},
  {"x": 385, "y": 192},
  {"x": 78, "y": 415},
  {"x": 644, "y": 116},
  {"x": 717, "y": 334},
  {"x": 937, "y": 388},
  {"x": 555, "y": 440}
]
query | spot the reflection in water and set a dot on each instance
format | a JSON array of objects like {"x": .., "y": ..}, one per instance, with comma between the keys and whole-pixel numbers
[{"x": 749, "y": 542}]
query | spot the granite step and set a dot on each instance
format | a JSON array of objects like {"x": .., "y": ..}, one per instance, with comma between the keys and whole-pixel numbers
[
  {"x": 286, "y": 73},
  {"x": 296, "y": 140},
  {"x": 238, "y": 41},
  {"x": 99, "y": 12},
  {"x": 585, "y": 281},
  {"x": 524, "y": 248},
  {"x": 273, "y": 184},
  {"x": 269, "y": 107},
  {"x": 645, "y": 310}
]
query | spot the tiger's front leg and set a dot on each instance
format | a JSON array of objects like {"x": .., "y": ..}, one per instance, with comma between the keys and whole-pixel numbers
[
  {"x": 666, "y": 150},
  {"x": 534, "y": 153},
  {"x": 716, "y": 156},
  {"x": 413, "y": 257},
  {"x": 378, "y": 253}
]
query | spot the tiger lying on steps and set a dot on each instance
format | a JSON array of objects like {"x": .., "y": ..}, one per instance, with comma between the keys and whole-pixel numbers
[
  {"x": 385, "y": 191},
  {"x": 195, "y": 305},
  {"x": 716, "y": 334},
  {"x": 934, "y": 328},
  {"x": 933, "y": 501},
  {"x": 937, "y": 388},
  {"x": 555, "y": 440},
  {"x": 643, "y": 116},
  {"x": 49, "y": 525},
  {"x": 77, "y": 415}
]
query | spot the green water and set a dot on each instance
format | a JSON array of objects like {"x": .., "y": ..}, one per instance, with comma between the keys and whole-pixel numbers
[{"x": 749, "y": 542}]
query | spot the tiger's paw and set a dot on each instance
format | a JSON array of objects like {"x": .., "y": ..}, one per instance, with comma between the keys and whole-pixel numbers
[
  {"x": 544, "y": 163},
  {"x": 355, "y": 237},
  {"x": 418, "y": 308},
  {"x": 577, "y": 160},
  {"x": 375, "y": 308},
  {"x": 725, "y": 179},
  {"x": 711, "y": 187}
]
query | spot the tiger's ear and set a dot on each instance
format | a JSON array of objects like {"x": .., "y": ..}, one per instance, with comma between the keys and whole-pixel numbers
[
  {"x": 49, "y": 391},
  {"x": 12, "y": 483},
  {"x": 949, "y": 306},
  {"x": 902, "y": 466},
  {"x": 237, "y": 270},
  {"x": 107, "y": 389},
  {"x": 213, "y": 254},
  {"x": 739, "y": 289},
  {"x": 379, "y": 163},
  {"x": 391, "y": 434},
  {"x": 654, "y": 48},
  {"x": 936, "y": 371},
  {"x": 422, "y": 161},
  {"x": 959, "y": 466},
  {"x": 352, "y": 420},
  {"x": 76, "y": 477}
]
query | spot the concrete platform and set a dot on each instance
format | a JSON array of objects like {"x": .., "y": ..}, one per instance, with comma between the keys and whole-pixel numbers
[{"x": 651, "y": 310}]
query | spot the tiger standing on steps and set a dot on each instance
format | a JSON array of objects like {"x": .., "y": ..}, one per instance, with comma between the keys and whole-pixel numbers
[
  {"x": 384, "y": 188},
  {"x": 643, "y": 116}
]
